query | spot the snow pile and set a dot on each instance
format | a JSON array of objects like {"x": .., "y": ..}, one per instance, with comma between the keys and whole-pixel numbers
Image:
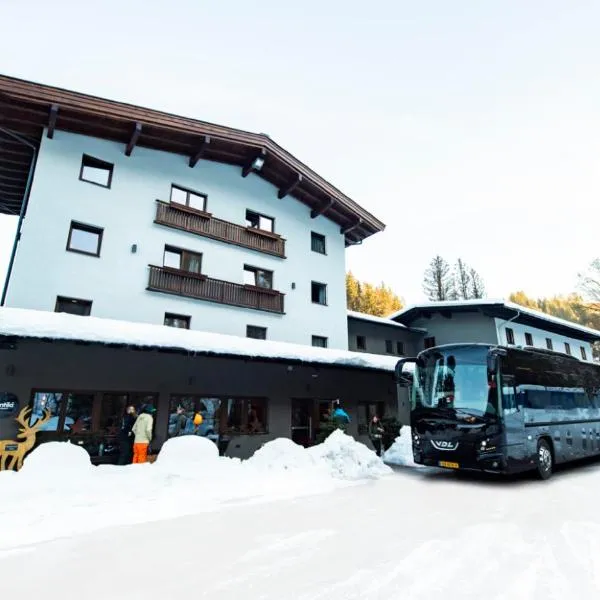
[
  {"x": 281, "y": 453},
  {"x": 60, "y": 493},
  {"x": 400, "y": 452},
  {"x": 348, "y": 459},
  {"x": 57, "y": 462}
]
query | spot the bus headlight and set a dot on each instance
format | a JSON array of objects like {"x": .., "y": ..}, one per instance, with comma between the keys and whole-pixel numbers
[
  {"x": 483, "y": 446},
  {"x": 416, "y": 439}
]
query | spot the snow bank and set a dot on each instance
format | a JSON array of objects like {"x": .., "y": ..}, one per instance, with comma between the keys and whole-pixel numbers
[
  {"x": 281, "y": 453},
  {"x": 60, "y": 493},
  {"x": 56, "y": 462},
  {"x": 400, "y": 452},
  {"x": 348, "y": 459}
]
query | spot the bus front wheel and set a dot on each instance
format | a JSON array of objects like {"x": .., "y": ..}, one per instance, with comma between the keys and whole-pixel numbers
[{"x": 544, "y": 460}]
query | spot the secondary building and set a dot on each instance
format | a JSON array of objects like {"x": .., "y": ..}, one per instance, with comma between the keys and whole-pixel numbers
[{"x": 135, "y": 214}]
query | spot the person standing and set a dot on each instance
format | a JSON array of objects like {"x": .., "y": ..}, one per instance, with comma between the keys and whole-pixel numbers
[
  {"x": 126, "y": 436},
  {"x": 180, "y": 422},
  {"x": 142, "y": 431},
  {"x": 376, "y": 432}
]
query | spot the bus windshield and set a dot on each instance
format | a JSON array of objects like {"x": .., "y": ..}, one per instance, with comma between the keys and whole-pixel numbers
[{"x": 454, "y": 378}]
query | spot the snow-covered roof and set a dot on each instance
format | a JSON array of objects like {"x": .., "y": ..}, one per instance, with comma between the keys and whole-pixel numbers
[
  {"x": 61, "y": 326},
  {"x": 382, "y": 320},
  {"x": 515, "y": 309}
]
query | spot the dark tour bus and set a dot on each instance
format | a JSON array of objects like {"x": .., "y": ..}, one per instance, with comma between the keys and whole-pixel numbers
[{"x": 501, "y": 409}]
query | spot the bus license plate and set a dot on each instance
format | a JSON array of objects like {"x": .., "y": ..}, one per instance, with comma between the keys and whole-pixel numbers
[{"x": 448, "y": 465}]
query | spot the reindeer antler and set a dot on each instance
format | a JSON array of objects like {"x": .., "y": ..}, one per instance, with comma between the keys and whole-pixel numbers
[
  {"x": 22, "y": 417},
  {"x": 47, "y": 414}
]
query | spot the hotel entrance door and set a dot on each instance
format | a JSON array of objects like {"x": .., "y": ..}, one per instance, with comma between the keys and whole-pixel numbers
[{"x": 307, "y": 416}]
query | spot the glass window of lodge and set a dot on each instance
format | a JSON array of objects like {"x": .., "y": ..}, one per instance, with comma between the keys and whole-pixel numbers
[
  {"x": 258, "y": 277},
  {"x": 182, "y": 260},
  {"x": 258, "y": 221},
  {"x": 256, "y": 333},
  {"x": 73, "y": 306},
  {"x": 189, "y": 198},
  {"x": 84, "y": 239},
  {"x": 318, "y": 341},
  {"x": 179, "y": 321},
  {"x": 96, "y": 171},
  {"x": 318, "y": 293},
  {"x": 317, "y": 243}
]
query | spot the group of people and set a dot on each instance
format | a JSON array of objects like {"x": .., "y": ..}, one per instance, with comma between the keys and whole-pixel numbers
[{"x": 135, "y": 434}]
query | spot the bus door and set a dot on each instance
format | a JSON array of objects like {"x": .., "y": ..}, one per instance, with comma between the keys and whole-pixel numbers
[{"x": 513, "y": 418}]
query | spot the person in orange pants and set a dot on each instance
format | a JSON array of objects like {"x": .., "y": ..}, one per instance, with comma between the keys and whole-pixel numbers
[{"x": 142, "y": 431}]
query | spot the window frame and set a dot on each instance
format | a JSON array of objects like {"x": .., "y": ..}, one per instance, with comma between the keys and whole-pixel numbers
[
  {"x": 400, "y": 349},
  {"x": 319, "y": 236},
  {"x": 99, "y": 231},
  {"x": 323, "y": 287},
  {"x": 510, "y": 336},
  {"x": 389, "y": 346},
  {"x": 188, "y": 191},
  {"x": 100, "y": 164},
  {"x": 361, "y": 343},
  {"x": 185, "y": 318},
  {"x": 568, "y": 348},
  {"x": 429, "y": 342},
  {"x": 528, "y": 338},
  {"x": 183, "y": 253},
  {"x": 323, "y": 338},
  {"x": 256, "y": 328},
  {"x": 259, "y": 215},
  {"x": 583, "y": 352},
  {"x": 549, "y": 344},
  {"x": 87, "y": 304},
  {"x": 252, "y": 269}
]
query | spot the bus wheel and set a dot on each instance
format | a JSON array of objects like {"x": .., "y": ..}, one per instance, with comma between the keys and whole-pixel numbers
[{"x": 544, "y": 460}]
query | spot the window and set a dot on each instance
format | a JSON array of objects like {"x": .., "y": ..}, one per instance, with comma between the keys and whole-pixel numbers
[
  {"x": 96, "y": 171},
  {"x": 318, "y": 293},
  {"x": 429, "y": 342},
  {"x": 188, "y": 198},
  {"x": 567, "y": 348},
  {"x": 528, "y": 339},
  {"x": 179, "y": 321},
  {"x": 317, "y": 242},
  {"x": 182, "y": 409},
  {"x": 258, "y": 277},
  {"x": 258, "y": 221},
  {"x": 318, "y": 341},
  {"x": 400, "y": 348},
  {"x": 549, "y": 344},
  {"x": 583, "y": 353},
  {"x": 84, "y": 239},
  {"x": 244, "y": 415},
  {"x": 73, "y": 306},
  {"x": 182, "y": 260},
  {"x": 389, "y": 347},
  {"x": 256, "y": 333},
  {"x": 68, "y": 411},
  {"x": 510, "y": 336},
  {"x": 361, "y": 342}
]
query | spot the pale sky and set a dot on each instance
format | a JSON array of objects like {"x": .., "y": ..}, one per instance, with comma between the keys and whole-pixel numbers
[{"x": 471, "y": 128}]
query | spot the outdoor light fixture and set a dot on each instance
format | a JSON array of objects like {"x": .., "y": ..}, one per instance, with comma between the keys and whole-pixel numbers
[
  {"x": 133, "y": 248},
  {"x": 258, "y": 163}
]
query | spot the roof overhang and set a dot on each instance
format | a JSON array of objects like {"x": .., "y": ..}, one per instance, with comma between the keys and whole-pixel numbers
[
  {"x": 500, "y": 310},
  {"x": 30, "y": 109}
]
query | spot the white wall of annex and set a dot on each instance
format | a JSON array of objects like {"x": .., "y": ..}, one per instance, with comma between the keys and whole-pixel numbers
[
  {"x": 539, "y": 338},
  {"x": 116, "y": 282}
]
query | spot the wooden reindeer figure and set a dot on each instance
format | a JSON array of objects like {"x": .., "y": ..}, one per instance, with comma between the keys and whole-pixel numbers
[{"x": 13, "y": 452}]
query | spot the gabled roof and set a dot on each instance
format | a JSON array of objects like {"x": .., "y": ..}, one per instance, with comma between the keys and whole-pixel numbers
[
  {"x": 27, "y": 107},
  {"x": 43, "y": 325},
  {"x": 501, "y": 309}
]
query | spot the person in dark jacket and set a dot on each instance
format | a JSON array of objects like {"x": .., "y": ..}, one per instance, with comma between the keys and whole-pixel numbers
[
  {"x": 126, "y": 436},
  {"x": 376, "y": 432},
  {"x": 180, "y": 422}
]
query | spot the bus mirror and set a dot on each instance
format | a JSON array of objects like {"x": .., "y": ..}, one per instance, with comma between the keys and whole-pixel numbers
[
  {"x": 492, "y": 362},
  {"x": 403, "y": 372}
]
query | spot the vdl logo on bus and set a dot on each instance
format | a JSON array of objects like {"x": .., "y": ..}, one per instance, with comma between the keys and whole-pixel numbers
[{"x": 444, "y": 445}]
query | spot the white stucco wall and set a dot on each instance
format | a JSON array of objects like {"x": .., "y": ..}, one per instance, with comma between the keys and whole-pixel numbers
[
  {"x": 539, "y": 338},
  {"x": 116, "y": 282}
]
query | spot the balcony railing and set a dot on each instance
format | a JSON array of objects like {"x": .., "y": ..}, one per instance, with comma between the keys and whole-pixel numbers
[
  {"x": 202, "y": 223},
  {"x": 192, "y": 285}
]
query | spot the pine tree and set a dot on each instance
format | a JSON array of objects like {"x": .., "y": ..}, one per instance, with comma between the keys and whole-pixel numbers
[
  {"x": 462, "y": 279},
  {"x": 438, "y": 283},
  {"x": 477, "y": 285}
]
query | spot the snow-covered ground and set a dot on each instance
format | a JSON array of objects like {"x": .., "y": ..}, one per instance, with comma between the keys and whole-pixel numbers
[{"x": 412, "y": 534}]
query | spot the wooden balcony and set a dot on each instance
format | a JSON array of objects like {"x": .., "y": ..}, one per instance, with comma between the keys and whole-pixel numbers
[
  {"x": 203, "y": 223},
  {"x": 192, "y": 285}
]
